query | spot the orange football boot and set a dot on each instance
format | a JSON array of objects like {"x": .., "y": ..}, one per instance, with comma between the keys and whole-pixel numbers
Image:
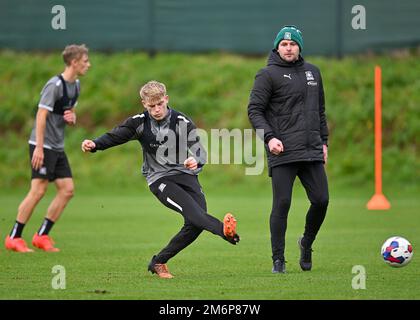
[
  {"x": 229, "y": 225},
  {"x": 16, "y": 244},
  {"x": 44, "y": 242},
  {"x": 161, "y": 269},
  {"x": 229, "y": 228}
]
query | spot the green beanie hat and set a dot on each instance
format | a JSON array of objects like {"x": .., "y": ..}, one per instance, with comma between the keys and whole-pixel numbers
[{"x": 289, "y": 33}]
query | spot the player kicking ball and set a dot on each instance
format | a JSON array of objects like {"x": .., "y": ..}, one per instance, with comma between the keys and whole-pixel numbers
[{"x": 172, "y": 159}]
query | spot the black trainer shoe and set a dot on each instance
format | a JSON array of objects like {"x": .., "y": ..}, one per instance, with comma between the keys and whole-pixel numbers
[
  {"x": 279, "y": 266},
  {"x": 305, "y": 256}
]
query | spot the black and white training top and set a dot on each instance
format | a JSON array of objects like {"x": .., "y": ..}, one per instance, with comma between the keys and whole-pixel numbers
[
  {"x": 165, "y": 143},
  {"x": 57, "y": 96}
]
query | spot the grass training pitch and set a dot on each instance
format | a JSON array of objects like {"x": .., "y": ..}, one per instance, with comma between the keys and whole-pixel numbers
[{"x": 107, "y": 240}]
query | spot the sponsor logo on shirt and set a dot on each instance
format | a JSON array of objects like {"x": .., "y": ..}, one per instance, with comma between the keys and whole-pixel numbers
[{"x": 309, "y": 75}]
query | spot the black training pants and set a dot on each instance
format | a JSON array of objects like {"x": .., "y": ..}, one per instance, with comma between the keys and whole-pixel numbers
[
  {"x": 313, "y": 178},
  {"x": 183, "y": 194}
]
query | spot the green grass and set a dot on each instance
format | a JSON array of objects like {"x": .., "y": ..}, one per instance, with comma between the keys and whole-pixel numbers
[{"x": 107, "y": 240}]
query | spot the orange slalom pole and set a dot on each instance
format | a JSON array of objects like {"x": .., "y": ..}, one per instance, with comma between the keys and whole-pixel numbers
[{"x": 378, "y": 201}]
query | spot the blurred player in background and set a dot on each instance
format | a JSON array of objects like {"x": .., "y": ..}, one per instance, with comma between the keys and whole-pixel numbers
[{"x": 49, "y": 163}]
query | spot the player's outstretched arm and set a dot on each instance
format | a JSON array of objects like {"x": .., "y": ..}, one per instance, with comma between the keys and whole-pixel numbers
[{"x": 123, "y": 133}]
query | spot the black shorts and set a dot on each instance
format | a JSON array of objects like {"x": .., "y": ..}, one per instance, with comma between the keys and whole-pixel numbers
[{"x": 56, "y": 165}]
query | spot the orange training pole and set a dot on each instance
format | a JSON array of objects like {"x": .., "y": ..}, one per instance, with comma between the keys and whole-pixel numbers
[{"x": 378, "y": 201}]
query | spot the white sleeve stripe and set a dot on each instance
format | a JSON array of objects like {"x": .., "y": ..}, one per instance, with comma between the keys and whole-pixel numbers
[
  {"x": 183, "y": 118},
  {"x": 34, "y": 144},
  {"x": 45, "y": 107},
  {"x": 138, "y": 116}
]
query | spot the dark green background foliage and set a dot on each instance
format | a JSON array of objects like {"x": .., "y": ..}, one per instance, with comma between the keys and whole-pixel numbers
[{"x": 213, "y": 89}]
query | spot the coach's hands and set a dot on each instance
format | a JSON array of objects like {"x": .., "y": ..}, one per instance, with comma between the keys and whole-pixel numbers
[
  {"x": 88, "y": 145},
  {"x": 325, "y": 150},
  {"x": 275, "y": 146},
  {"x": 191, "y": 163}
]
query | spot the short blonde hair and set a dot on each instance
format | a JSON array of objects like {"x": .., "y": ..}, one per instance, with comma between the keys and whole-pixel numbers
[
  {"x": 152, "y": 92},
  {"x": 74, "y": 51}
]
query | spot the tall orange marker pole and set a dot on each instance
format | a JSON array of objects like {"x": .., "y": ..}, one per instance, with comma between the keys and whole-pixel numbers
[{"x": 378, "y": 201}]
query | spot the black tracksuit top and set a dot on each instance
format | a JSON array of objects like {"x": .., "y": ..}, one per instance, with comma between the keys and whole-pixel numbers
[
  {"x": 287, "y": 102},
  {"x": 152, "y": 134}
]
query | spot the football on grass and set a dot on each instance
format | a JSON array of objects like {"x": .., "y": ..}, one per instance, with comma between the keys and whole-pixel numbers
[{"x": 397, "y": 251}]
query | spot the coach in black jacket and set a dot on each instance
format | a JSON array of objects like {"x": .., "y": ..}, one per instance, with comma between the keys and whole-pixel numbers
[{"x": 287, "y": 102}]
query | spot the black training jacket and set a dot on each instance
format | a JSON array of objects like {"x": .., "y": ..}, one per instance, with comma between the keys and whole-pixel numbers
[
  {"x": 176, "y": 134},
  {"x": 287, "y": 102}
]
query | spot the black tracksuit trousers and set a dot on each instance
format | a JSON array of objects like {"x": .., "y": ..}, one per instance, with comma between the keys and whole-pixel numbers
[
  {"x": 314, "y": 179},
  {"x": 183, "y": 194}
]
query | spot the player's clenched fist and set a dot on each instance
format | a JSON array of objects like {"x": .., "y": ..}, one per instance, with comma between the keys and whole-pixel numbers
[
  {"x": 191, "y": 163},
  {"x": 88, "y": 145},
  {"x": 69, "y": 117}
]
